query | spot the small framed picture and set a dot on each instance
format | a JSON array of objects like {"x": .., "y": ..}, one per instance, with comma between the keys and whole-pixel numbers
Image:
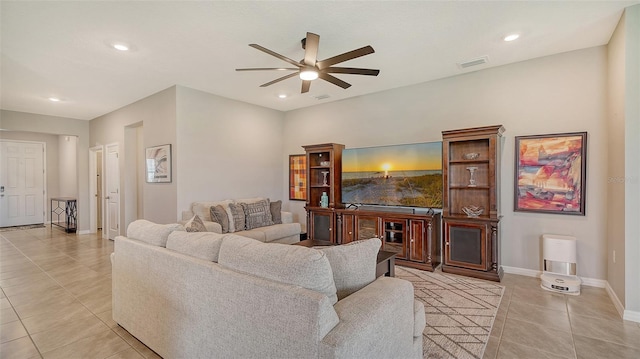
[
  {"x": 158, "y": 163},
  {"x": 551, "y": 173},
  {"x": 298, "y": 177}
]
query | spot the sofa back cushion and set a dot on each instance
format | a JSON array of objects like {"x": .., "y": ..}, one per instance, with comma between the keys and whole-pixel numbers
[
  {"x": 353, "y": 265},
  {"x": 204, "y": 245},
  {"x": 296, "y": 265},
  {"x": 152, "y": 233}
]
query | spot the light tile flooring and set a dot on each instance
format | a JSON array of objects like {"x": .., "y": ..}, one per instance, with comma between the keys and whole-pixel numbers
[{"x": 56, "y": 303}]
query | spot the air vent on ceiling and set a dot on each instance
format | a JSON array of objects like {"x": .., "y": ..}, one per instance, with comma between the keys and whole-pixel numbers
[
  {"x": 322, "y": 97},
  {"x": 475, "y": 62}
]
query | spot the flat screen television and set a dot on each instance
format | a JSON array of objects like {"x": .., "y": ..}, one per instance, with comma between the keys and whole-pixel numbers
[{"x": 400, "y": 175}]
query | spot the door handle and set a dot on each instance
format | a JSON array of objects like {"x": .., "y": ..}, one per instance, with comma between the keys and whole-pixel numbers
[{"x": 107, "y": 197}]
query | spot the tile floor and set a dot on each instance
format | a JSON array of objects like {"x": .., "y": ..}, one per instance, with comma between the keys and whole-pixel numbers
[{"x": 55, "y": 302}]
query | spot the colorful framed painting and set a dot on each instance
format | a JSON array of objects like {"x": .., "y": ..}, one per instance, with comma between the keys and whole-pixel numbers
[
  {"x": 158, "y": 164},
  {"x": 298, "y": 177},
  {"x": 550, "y": 173}
]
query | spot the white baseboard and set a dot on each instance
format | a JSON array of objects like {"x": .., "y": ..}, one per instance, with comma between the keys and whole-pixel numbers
[
  {"x": 522, "y": 271},
  {"x": 616, "y": 301},
  {"x": 85, "y": 231},
  {"x": 632, "y": 316}
]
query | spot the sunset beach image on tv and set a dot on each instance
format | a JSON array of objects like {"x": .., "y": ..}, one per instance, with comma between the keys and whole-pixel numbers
[{"x": 400, "y": 175}]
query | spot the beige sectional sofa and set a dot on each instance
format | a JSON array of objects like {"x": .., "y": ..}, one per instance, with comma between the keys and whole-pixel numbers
[
  {"x": 210, "y": 295},
  {"x": 286, "y": 232}
]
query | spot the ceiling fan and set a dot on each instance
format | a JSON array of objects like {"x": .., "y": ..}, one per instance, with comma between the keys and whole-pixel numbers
[{"x": 309, "y": 68}]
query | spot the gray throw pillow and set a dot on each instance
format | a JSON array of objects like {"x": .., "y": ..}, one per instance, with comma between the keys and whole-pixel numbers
[
  {"x": 276, "y": 209},
  {"x": 257, "y": 214},
  {"x": 238, "y": 216},
  {"x": 219, "y": 215},
  {"x": 195, "y": 224}
]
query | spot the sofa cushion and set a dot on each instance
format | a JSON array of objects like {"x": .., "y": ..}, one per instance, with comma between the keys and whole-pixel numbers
[
  {"x": 353, "y": 265},
  {"x": 203, "y": 209},
  {"x": 204, "y": 245},
  {"x": 236, "y": 221},
  {"x": 276, "y": 209},
  {"x": 257, "y": 214},
  {"x": 152, "y": 233},
  {"x": 271, "y": 233},
  {"x": 296, "y": 265},
  {"x": 220, "y": 216},
  {"x": 195, "y": 224}
]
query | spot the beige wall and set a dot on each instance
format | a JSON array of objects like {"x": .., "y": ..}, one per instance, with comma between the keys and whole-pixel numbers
[
  {"x": 35, "y": 123},
  {"x": 157, "y": 113},
  {"x": 632, "y": 163},
  {"x": 615, "y": 161},
  {"x": 554, "y": 94},
  {"x": 228, "y": 149}
]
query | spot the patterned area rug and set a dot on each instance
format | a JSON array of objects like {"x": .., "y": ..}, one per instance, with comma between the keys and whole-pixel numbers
[
  {"x": 19, "y": 228},
  {"x": 460, "y": 312}
]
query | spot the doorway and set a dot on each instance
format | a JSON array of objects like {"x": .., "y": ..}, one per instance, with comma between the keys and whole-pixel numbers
[
  {"x": 96, "y": 189},
  {"x": 112, "y": 186},
  {"x": 22, "y": 183}
]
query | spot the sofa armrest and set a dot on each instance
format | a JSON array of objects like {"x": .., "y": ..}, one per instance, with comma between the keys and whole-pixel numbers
[
  {"x": 375, "y": 322},
  {"x": 287, "y": 217}
]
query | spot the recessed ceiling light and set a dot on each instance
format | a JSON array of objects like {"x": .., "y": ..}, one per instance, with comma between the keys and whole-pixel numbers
[
  {"x": 511, "y": 37},
  {"x": 282, "y": 95},
  {"x": 121, "y": 47},
  {"x": 54, "y": 99}
]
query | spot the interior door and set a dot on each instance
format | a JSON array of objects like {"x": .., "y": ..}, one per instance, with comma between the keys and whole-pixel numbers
[
  {"x": 21, "y": 183},
  {"x": 112, "y": 197}
]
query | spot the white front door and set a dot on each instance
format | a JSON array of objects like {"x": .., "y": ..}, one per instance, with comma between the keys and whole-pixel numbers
[
  {"x": 113, "y": 191},
  {"x": 21, "y": 183}
]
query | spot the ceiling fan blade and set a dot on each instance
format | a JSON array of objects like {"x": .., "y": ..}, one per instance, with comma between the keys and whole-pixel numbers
[
  {"x": 311, "y": 49},
  {"x": 269, "y": 68},
  {"x": 275, "y": 54},
  {"x": 345, "y": 57},
  {"x": 351, "y": 70},
  {"x": 279, "y": 79},
  {"x": 334, "y": 80},
  {"x": 306, "y": 84}
]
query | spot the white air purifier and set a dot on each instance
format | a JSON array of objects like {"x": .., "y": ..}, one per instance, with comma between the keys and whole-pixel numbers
[{"x": 559, "y": 264}]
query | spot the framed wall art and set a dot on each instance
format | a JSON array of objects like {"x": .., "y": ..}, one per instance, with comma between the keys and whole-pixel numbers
[
  {"x": 158, "y": 164},
  {"x": 550, "y": 173},
  {"x": 298, "y": 177}
]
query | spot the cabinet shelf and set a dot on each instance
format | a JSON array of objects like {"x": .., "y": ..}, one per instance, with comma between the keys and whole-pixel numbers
[
  {"x": 320, "y": 167},
  {"x": 466, "y": 162},
  {"x": 469, "y": 187}
]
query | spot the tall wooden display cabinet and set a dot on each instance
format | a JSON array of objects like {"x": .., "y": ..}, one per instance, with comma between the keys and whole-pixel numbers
[
  {"x": 324, "y": 176},
  {"x": 471, "y": 208}
]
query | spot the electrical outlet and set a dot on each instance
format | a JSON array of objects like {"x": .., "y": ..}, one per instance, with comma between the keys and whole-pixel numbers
[{"x": 614, "y": 256}]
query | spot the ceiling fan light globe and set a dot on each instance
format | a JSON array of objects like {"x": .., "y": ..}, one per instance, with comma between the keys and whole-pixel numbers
[{"x": 308, "y": 75}]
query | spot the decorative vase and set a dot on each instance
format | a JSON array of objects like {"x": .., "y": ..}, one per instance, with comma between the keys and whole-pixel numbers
[
  {"x": 324, "y": 200},
  {"x": 472, "y": 177},
  {"x": 324, "y": 178}
]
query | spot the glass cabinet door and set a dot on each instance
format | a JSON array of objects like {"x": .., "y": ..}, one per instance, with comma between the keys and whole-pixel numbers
[
  {"x": 367, "y": 227},
  {"x": 395, "y": 236}
]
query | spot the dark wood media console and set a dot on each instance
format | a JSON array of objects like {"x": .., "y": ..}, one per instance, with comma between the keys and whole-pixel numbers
[{"x": 415, "y": 238}]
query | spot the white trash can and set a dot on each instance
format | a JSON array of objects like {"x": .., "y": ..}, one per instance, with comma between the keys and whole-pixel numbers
[{"x": 559, "y": 264}]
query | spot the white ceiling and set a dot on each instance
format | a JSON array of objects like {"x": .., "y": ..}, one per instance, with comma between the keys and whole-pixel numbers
[{"x": 62, "y": 48}]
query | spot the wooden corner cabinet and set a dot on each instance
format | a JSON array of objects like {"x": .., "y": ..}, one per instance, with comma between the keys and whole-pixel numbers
[
  {"x": 324, "y": 175},
  {"x": 471, "y": 213},
  {"x": 415, "y": 238}
]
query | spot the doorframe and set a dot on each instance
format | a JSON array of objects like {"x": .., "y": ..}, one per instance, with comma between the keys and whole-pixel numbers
[
  {"x": 45, "y": 193},
  {"x": 94, "y": 152},
  {"x": 107, "y": 223}
]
